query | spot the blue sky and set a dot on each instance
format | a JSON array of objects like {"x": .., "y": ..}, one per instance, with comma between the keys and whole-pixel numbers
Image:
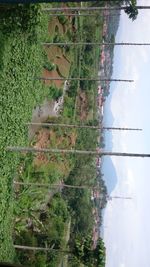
[{"x": 127, "y": 222}]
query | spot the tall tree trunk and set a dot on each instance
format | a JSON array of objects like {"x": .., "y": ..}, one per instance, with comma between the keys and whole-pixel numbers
[
  {"x": 83, "y": 79},
  {"x": 56, "y": 185},
  {"x": 105, "y": 44},
  {"x": 41, "y": 1},
  {"x": 83, "y": 14},
  {"x": 40, "y": 249},
  {"x": 81, "y": 126},
  {"x": 121, "y": 129},
  {"x": 56, "y": 9},
  {"x": 81, "y": 152}
]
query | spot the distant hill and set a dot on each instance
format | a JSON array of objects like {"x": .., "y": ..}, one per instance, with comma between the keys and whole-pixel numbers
[
  {"x": 113, "y": 24},
  {"x": 110, "y": 174},
  {"x": 108, "y": 168}
]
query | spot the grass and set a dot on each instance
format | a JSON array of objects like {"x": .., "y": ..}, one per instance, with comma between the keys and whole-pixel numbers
[
  {"x": 63, "y": 66},
  {"x": 21, "y": 62}
]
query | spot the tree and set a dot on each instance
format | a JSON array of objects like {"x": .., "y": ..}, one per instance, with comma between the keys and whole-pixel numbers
[
  {"x": 90, "y": 44},
  {"x": 83, "y": 79},
  {"x": 87, "y": 255},
  {"x": 132, "y": 10},
  {"x": 100, "y": 253},
  {"x": 81, "y": 152}
]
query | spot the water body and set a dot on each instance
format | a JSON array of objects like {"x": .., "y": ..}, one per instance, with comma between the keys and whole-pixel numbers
[{"x": 126, "y": 222}]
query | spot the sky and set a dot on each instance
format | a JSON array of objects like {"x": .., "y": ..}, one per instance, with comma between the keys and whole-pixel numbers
[{"x": 126, "y": 223}]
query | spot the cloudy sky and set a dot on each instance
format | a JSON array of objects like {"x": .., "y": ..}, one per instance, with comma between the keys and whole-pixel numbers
[{"x": 127, "y": 222}]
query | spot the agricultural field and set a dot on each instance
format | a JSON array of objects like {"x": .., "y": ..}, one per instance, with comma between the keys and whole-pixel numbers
[{"x": 41, "y": 216}]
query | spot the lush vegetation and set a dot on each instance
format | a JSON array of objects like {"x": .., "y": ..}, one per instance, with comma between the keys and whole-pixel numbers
[
  {"x": 21, "y": 59},
  {"x": 40, "y": 216},
  {"x": 89, "y": 257}
]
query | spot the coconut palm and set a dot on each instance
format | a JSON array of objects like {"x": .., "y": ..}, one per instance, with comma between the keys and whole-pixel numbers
[
  {"x": 96, "y": 43},
  {"x": 73, "y": 151},
  {"x": 43, "y": 124}
]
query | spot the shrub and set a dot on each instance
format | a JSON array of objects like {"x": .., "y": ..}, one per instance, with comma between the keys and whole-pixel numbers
[
  {"x": 62, "y": 19},
  {"x": 54, "y": 92}
]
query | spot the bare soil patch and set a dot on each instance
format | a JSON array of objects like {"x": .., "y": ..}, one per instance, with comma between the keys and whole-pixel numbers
[
  {"x": 43, "y": 139},
  {"x": 53, "y": 52},
  {"x": 52, "y": 27},
  {"x": 63, "y": 65},
  {"x": 52, "y": 74},
  {"x": 82, "y": 105}
]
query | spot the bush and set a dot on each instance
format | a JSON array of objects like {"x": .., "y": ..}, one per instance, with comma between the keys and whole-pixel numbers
[
  {"x": 54, "y": 92},
  {"x": 47, "y": 64},
  {"x": 62, "y": 19}
]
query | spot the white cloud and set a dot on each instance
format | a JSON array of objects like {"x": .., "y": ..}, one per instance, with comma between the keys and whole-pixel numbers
[
  {"x": 125, "y": 232},
  {"x": 130, "y": 182}
]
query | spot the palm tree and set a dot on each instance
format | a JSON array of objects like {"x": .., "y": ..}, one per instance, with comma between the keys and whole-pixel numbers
[
  {"x": 81, "y": 126},
  {"x": 105, "y": 44},
  {"x": 61, "y": 185},
  {"x": 73, "y": 151},
  {"x": 108, "y": 8},
  {"x": 40, "y": 249},
  {"x": 83, "y": 79},
  {"x": 83, "y": 14},
  {"x": 121, "y": 129}
]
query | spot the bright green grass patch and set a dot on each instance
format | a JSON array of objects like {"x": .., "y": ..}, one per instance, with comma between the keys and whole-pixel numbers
[{"x": 21, "y": 60}]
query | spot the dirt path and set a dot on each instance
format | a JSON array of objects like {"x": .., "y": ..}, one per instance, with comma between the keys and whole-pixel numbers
[
  {"x": 64, "y": 261},
  {"x": 41, "y": 114},
  {"x": 46, "y": 110}
]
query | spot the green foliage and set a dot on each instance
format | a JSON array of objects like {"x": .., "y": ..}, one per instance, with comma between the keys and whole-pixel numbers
[
  {"x": 59, "y": 38},
  {"x": 68, "y": 109},
  {"x": 54, "y": 92},
  {"x": 84, "y": 173},
  {"x": 88, "y": 56},
  {"x": 84, "y": 252},
  {"x": 45, "y": 228},
  {"x": 62, "y": 19},
  {"x": 59, "y": 208},
  {"x": 132, "y": 11},
  {"x": 49, "y": 66},
  {"x": 87, "y": 139},
  {"x": 21, "y": 61},
  {"x": 100, "y": 253},
  {"x": 40, "y": 214}
]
